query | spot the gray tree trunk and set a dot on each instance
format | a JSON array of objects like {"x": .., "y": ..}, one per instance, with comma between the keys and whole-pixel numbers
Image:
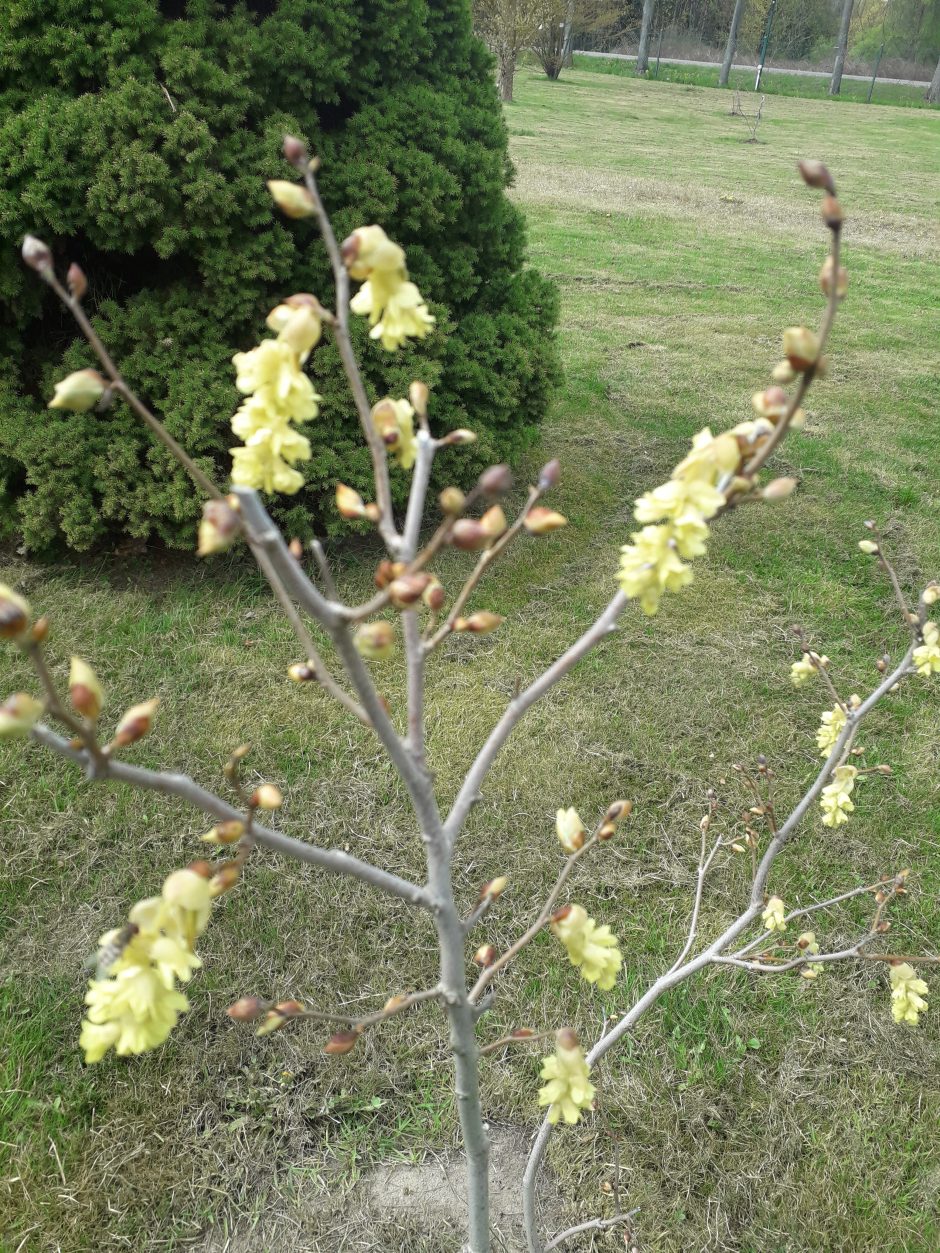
[
  {"x": 646, "y": 31},
  {"x": 933, "y": 91},
  {"x": 732, "y": 44},
  {"x": 839, "y": 65},
  {"x": 507, "y": 69}
]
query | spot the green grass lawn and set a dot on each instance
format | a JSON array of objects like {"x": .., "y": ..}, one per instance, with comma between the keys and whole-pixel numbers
[
  {"x": 756, "y": 1116},
  {"x": 773, "y": 83}
]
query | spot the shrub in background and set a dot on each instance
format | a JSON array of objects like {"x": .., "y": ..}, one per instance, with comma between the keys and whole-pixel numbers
[{"x": 142, "y": 133}]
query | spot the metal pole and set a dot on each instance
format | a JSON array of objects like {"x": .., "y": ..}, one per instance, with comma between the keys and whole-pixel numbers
[
  {"x": 763, "y": 44},
  {"x": 874, "y": 73},
  {"x": 662, "y": 31}
]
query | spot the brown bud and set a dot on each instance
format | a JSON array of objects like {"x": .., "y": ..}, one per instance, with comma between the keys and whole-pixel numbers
[
  {"x": 36, "y": 254},
  {"x": 136, "y": 722},
  {"x": 76, "y": 280},
  {"x": 522, "y": 1033},
  {"x": 460, "y": 436},
  {"x": 384, "y": 573},
  {"x": 549, "y": 474},
  {"x": 560, "y": 914},
  {"x": 779, "y": 489},
  {"x": 496, "y": 481},
  {"x": 294, "y": 149},
  {"x": 606, "y": 831},
  {"x": 485, "y": 955},
  {"x": 296, "y": 548},
  {"x": 815, "y": 174},
  {"x": 288, "y": 1009},
  {"x": 434, "y": 595},
  {"x": 14, "y": 614},
  {"x": 618, "y": 811},
  {"x": 832, "y": 213},
  {"x": 40, "y": 631},
  {"x": 408, "y": 589},
  {"x": 349, "y": 249},
  {"x": 348, "y": 502},
  {"x": 267, "y": 796},
  {"x": 302, "y": 672},
  {"x": 825, "y": 279},
  {"x": 783, "y": 372},
  {"x": 418, "y": 395},
  {"x": 395, "y": 1003},
  {"x": 567, "y": 1039},
  {"x": 247, "y": 1009},
  {"x": 341, "y": 1042},
  {"x": 202, "y": 868},
  {"x": 479, "y": 623},
  {"x": 451, "y": 501},
  {"x": 225, "y": 878},
  {"x": 225, "y": 832},
  {"x": 469, "y": 535},
  {"x": 885, "y": 770}
]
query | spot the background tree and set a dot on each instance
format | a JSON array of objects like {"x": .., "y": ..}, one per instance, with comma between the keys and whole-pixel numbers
[
  {"x": 646, "y": 31},
  {"x": 144, "y": 131},
  {"x": 508, "y": 28},
  {"x": 731, "y": 45},
  {"x": 933, "y": 91},
  {"x": 842, "y": 44}
]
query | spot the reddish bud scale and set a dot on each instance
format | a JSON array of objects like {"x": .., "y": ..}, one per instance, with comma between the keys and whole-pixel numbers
[
  {"x": 468, "y": 535},
  {"x": 567, "y": 1038},
  {"x": 560, "y": 914},
  {"x": 408, "y": 589},
  {"x": 816, "y": 174},
  {"x": 76, "y": 280},
  {"x": 485, "y": 955},
  {"x": 549, "y": 474},
  {"x": 248, "y": 1009},
  {"x": 40, "y": 631},
  {"x": 294, "y": 149},
  {"x": 13, "y": 619},
  {"x": 201, "y": 868},
  {"x": 495, "y": 481},
  {"x": 522, "y": 1033}
]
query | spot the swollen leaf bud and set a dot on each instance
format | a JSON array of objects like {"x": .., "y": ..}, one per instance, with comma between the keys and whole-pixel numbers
[
  {"x": 36, "y": 254},
  {"x": 14, "y": 613},
  {"x": 549, "y": 474},
  {"x": 292, "y": 199},
  {"x": 825, "y": 279},
  {"x": 76, "y": 280},
  {"x": 815, "y": 174},
  {"x": 341, "y": 1042},
  {"x": 19, "y": 713},
  {"x": 479, "y": 623},
  {"x": 267, "y": 796},
  {"x": 494, "y": 522},
  {"x": 494, "y": 889},
  {"x": 408, "y": 589},
  {"x": 539, "y": 520},
  {"x": 566, "y": 1038},
  {"x": 800, "y": 347},
  {"x": 783, "y": 373},
  {"x": 136, "y": 722},
  {"x": 225, "y": 878},
  {"x": 375, "y": 640},
  {"x": 779, "y": 489},
  {"x": 460, "y": 436},
  {"x": 451, "y": 501},
  {"x": 832, "y": 213},
  {"x": 434, "y": 595},
  {"x": 619, "y": 811},
  {"x": 496, "y": 481},
  {"x": 468, "y": 534},
  {"x": 294, "y": 149},
  {"x": 40, "y": 632},
  {"x": 84, "y": 689},
  {"x": 302, "y": 672},
  {"x": 349, "y": 503},
  {"x": 248, "y": 1009},
  {"x": 418, "y": 395},
  {"x": 228, "y": 832},
  {"x": 485, "y": 955},
  {"x": 868, "y": 546},
  {"x": 218, "y": 528}
]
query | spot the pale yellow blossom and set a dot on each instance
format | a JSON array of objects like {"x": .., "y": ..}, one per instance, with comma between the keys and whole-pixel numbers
[
  {"x": 831, "y": 726},
  {"x": 908, "y": 993},
  {"x": 773, "y": 915},
  {"x": 803, "y": 670},
  {"x": 568, "y": 1089},
  {"x": 570, "y": 829},
  {"x": 591, "y": 948},
  {"x": 393, "y": 304},
  {"x": 927, "y": 655},
  {"x": 835, "y": 801}
]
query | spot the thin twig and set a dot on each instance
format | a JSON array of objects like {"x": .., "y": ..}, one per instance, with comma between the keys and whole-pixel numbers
[{"x": 593, "y": 1224}]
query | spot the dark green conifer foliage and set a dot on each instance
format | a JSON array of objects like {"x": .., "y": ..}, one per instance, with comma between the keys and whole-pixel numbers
[{"x": 135, "y": 138}]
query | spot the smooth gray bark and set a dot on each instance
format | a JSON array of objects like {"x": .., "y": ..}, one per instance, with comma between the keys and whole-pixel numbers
[
  {"x": 835, "y": 86},
  {"x": 646, "y": 31},
  {"x": 731, "y": 46}
]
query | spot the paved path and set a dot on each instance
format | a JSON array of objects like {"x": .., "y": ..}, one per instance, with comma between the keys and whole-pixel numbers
[{"x": 768, "y": 69}]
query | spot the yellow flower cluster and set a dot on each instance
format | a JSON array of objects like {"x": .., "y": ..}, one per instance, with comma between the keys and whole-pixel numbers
[
  {"x": 831, "y": 727},
  {"x": 927, "y": 655},
  {"x": 773, "y": 916},
  {"x": 568, "y": 1090},
  {"x": 803, "y": 670},
  {"x": 394, "y": 421},
  {"x": 393, "y": 305},
  {"x": 835, "y": 801},
  {"x": 278, "y": 394},
  {"x": 591, "y": 948},
  {"x": 808, "y": 943},
  {"x": 676, "y": 516},
  {"x": 135, "y": 1004},
  {"x": 907, "y": 994}
]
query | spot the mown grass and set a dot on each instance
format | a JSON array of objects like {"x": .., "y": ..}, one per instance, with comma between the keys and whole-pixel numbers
[
  {"x": 773, "y": 83},
  {"x": 743, "y": 1115}
]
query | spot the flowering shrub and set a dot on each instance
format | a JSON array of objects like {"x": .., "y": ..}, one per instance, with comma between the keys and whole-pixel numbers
[{"x": 134, "y": 1001}]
